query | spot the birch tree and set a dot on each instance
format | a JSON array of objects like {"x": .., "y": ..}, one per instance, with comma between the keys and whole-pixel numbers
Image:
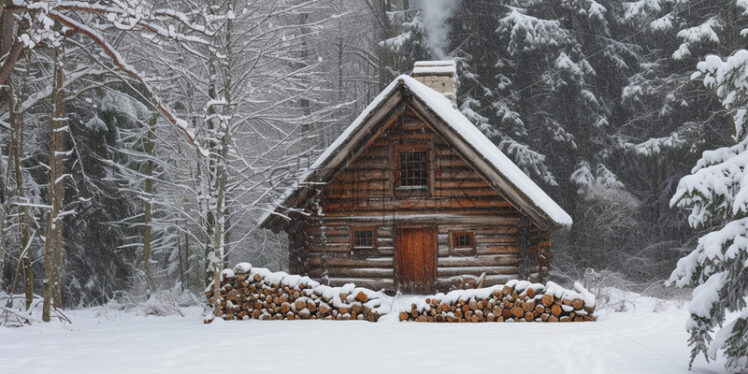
[{"x": 49, "y": 23}]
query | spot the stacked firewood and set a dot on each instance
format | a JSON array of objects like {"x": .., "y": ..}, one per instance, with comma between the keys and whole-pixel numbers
[
  {"x": 517, "y": 301},
  {"x": 257, "y": 293}
]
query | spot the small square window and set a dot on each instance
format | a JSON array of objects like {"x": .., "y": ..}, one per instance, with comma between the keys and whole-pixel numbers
[
  {"x": 414, "y": 169},
  {"x": 363, "y": 238},
  {"x": 463, "y": 243}
]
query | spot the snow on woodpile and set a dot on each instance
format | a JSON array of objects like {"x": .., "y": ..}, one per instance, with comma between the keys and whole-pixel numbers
[
  {"x": 517, "y": 301},
  {"x": 259, "y": 293}
]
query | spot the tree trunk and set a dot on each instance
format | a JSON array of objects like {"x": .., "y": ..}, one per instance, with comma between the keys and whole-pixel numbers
[
  {"x": 3, "y": 213},
  {"x": 9, "y": 53},
  {"x": 382, "y": 8},
  {"x": 204, "y": 209},
  {"x": 341, "y": 52},
  {"x": 221, "y": 176},
  {"x": 7, "y": 23},
  {"x": 187, "y": 255},
  {"x": 307, "y": 128},
  {"x": 57, "y": 299},
  {"x": 53, "y": 244},
  {"x": 148, "y": 147},
  {"x": 216, "y": 261},
  {"x": 181, "y": 263},
  {"x": 210, "y": 174},
  {"x": 16, "y": 150}
]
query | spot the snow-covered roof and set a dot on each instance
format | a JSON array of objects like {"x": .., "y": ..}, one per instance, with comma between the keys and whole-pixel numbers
[
  {"x": 456, "y": 122},
  {"x": 435, "y": 67}
]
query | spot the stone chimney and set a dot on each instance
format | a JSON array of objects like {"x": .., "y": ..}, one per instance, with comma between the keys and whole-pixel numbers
[{"x": 441, "y": 76}]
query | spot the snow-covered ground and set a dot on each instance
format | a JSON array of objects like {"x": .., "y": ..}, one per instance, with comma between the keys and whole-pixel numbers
[{"x": 646, "y": 338}]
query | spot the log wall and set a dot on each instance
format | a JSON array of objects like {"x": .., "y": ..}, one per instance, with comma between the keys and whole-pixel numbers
[{"x": 363, "y": 194}]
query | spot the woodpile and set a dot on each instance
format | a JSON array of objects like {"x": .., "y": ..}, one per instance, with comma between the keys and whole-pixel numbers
[
  {"x": 258, "y": 293},
  {"x": 517, "y": 301}
]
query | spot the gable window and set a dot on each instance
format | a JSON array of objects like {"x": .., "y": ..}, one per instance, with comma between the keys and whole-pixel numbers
[
  {"x": 463, "y": 243},
  {"x": 413, "y": 169},
  {"x": 363, "y": 238}
]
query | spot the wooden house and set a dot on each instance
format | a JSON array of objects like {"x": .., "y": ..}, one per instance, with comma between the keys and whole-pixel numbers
[{"x": 413, "y": 197}]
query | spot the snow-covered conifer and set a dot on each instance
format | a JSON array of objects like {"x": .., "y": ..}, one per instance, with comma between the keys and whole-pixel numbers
[{"x": 716, "y": 192}]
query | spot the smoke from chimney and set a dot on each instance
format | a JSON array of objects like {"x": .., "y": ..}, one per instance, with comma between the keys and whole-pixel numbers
[{"x": 435, "y": 16}]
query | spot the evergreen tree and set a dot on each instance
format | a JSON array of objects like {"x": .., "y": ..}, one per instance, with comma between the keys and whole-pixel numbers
[
  {"x": 717, "y": 194},
  {"x": 669, "y": 119}
]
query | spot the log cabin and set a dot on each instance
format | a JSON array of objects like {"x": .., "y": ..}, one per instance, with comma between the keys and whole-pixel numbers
[{"x": 412, "y": 197}]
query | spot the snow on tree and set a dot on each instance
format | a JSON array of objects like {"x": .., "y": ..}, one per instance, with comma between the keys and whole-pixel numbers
[
  {"x": 716, "y": 192},
  {"x": 47, "y": 21},
  {"x": 665, "y": 119},
  {"x": 246, "y": 79}
]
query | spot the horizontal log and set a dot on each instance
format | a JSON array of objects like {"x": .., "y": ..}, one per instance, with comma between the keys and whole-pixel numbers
[
  {"x": 465, "y": 192},
  {"x": 371, "y": 155},
  {"x": 377, "y": 262},
  {"x": 495, "y": 239},
  {"x": 385, "y": 250},
  {"x": 330, "y": 239},
  {"x": 384, "y": 242},
  {"x": 412, "y": 123},
  {"x": 496, "y": 249},
  {"x": 348, "y": 272},
  {"x": 456, "y": 173},
  {"x": 457, "y": 261},
  {"x": 313, "y": 230},
  {"x": 450, "y": 162},
  {"x": 443, "y": 250},
  {"x": 358, "y": 193},
  {"x": 374, "y": 284},
  {"x": 379, "y": 147},
  {"x": 411, "y": 203},
  {"x": 316, "y": 240},
  {"x": 412, "y": 138},
  {"x": 475, "y": 270},
  {"x": 380, "y": 143},
  {"x": 359, "y": 185},
  {"x": 486, "y": 239},
  {"x": 330, "y": 247},
  {"x": 387, "y": 262},
  {"x": 457, "y": 183},
  {"x": 379, "y": 188},
  {"x": 420, "y": 211},
  {"x": 442, "y": 146},
  {"x": 358, "y": 175},
  {"x": 384, "y": 231},
  {"x": 480, "y": 229},
  {"x": 378, "y": 161},
  {"x": 415, "y": 136},
  {"x": 393, "y": 219}
]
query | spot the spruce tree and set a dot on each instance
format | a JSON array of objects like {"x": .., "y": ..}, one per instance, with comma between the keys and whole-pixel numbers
[{"x": 717, "y": 194}]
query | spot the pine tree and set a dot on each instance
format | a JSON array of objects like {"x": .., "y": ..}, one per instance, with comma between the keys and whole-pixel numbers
[
  {"x": 717, "y": 194},
  {"x": 669, "y": 117}
]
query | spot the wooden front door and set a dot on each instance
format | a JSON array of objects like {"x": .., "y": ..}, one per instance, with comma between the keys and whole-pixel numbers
[{"x": 415, "y": 259}]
